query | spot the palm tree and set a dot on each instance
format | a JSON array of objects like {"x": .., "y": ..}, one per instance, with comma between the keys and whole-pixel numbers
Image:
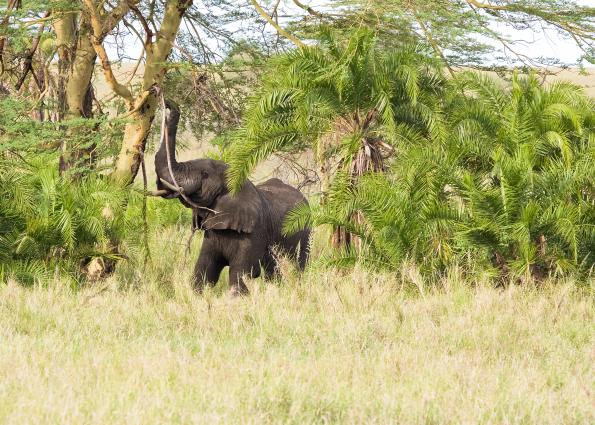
[
  {"x": 510, "y": 191},
  {"x": 526, "y": 157},
  {"x": 353, "y": 102}
]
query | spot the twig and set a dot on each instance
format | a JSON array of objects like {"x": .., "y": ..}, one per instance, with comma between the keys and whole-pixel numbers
[
  {"x": 3, "y": 25},
  {"x": 432, "y": 42},
  {"x": 145, "y": 223},
  {"x": 308, "y": 9},
  {"x": 28, "y": 63}
]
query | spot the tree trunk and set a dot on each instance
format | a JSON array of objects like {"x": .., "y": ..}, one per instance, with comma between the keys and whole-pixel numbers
[
  {"x": 145, "y": 104},
  {"x": 64, "y": 28},
  {"x": 136, "y": 133},
  {"x": 75, "y": 92},
  {"x": 82, "y": 155},
  {"x": 368, "y": 159},
  {"x": 80, "y": 76}
]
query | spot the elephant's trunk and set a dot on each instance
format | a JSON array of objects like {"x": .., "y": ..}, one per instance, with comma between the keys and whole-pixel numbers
[{"x": 166, "y": 155}]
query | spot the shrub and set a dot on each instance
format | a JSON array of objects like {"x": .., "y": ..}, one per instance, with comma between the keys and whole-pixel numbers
[{"x": 510, "y": 189}]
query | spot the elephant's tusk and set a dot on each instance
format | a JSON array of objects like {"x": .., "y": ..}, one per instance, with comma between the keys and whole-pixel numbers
[
  {"x": 170, "y": 186},
  {"x": 161, "y": 192}
]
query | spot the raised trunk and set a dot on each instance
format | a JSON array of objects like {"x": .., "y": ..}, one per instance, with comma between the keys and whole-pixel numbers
[{"x": 166, "y": 154}]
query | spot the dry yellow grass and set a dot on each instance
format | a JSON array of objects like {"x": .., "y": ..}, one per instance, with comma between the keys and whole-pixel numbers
[{"x": 323, "y": 347}]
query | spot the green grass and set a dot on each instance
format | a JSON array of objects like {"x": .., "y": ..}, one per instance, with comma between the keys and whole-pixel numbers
[{"x": 324, "y": 347}]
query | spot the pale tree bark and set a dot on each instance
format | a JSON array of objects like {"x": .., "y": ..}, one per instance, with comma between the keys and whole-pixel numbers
[
  {"x": 79, "y": 79},
  {"x": 143, "y": 104},
  {"x": 136, "y": 132},
  {"x": 65, "y": 30},
  {"x": 76, "y": 62}
]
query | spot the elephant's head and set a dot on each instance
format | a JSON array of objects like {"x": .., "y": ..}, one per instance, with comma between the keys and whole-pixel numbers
[{"x": 203, "y": 182}]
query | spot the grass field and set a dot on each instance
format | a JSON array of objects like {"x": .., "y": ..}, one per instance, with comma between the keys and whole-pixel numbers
[{"x": 323, "y": 347}]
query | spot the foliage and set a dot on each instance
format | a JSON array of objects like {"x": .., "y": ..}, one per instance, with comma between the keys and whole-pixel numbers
[
  {"x": 52, "y": 225},
  {"x": 478, "y": 175},
  {"x": 48, "y": 223},
  {"x": 339, "y": 98},
  {"x": 528, "y": 189},
  {"x": 24, "y": 136},
  {"x": 471, "y": 32},
  {"x": 511, "y": 188}
]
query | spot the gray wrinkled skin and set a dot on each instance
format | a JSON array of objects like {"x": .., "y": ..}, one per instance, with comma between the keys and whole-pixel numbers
[{"x": 240, "y": 231}]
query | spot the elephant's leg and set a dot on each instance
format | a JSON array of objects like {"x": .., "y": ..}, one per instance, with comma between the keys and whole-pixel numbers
[
  {"x": 269, "y": 265},
  {"x": 304, "y": 249},
  {"x": 297, "y": 246},
  {"x": 237, "y": 270},
  {"x": 208, "y": 268},
  {"x": 236, "y": 281}
]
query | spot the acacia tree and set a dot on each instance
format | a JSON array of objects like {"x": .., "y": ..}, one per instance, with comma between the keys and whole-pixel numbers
[
  {"x": 33, "y": 33},
  {"x": 141, "y": 105},
  {"x": 465, "y": 33},
  {"x": 159, "y": 24}
]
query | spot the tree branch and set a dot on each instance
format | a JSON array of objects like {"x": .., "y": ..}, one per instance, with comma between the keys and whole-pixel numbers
[
  {"x": 3, "y": 25},
  {"x": 28, "y": 62},
  {"x": 112, "y": 20},
  {"x": 307, "y": 9},
  {"x": 486, "y": 5},
  {"x": 101, "y": 28},
  {"x": 280, "y": 30},
  {"x": 433, "y": 43}
]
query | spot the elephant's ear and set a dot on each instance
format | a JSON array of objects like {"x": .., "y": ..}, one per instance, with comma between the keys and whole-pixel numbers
[{"x": 239, "y": 212}]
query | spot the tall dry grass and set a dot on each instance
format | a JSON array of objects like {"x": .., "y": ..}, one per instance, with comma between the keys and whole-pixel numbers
[{"x": 322, "y": 347}]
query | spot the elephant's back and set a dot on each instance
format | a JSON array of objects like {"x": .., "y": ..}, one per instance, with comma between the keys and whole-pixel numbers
[
  {"x": 281, "y": 193},
  {"x": 281, "y": 198}
]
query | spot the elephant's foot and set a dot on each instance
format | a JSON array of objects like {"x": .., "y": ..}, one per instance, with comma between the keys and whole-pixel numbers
[
  {"x": 238, "y": 290},
  {"x": 236, "y": 279}
]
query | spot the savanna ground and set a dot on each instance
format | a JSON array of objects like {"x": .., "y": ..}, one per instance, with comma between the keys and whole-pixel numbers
[{"x": 322, "y": 347}]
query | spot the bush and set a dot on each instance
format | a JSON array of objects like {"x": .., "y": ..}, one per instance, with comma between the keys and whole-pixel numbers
[
  {"x": 50, "y": 224},
  {"x": 510, "y": 190}
]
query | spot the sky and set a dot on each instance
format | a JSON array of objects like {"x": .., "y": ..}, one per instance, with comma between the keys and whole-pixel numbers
[
  {"x": 534, "y": 44},
  {"x": 547, "y": 44}
]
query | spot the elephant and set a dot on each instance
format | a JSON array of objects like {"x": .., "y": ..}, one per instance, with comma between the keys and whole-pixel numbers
[{"x": 241, "y": 230}]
